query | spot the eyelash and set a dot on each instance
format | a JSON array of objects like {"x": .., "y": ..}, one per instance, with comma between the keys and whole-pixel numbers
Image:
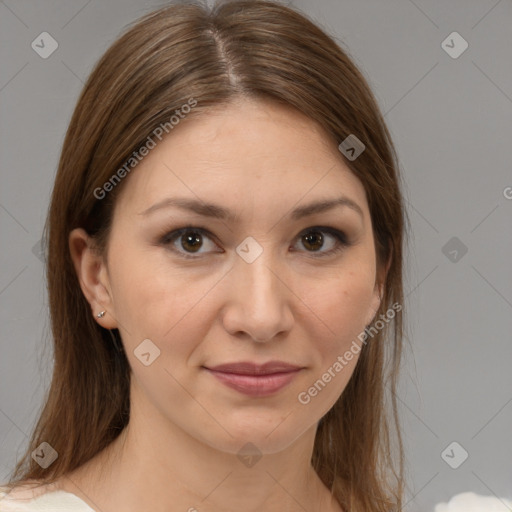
[{"x": 340, "y": 237}]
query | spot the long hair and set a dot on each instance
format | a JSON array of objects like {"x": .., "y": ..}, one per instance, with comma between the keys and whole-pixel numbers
[{"x": 254, "y": 49}]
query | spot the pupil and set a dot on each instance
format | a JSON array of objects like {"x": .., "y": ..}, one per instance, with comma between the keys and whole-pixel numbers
[
  {"x": 192, "y": 239},
  {"x": 310, "y": 239}
]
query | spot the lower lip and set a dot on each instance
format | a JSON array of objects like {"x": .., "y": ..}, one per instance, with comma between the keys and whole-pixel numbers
[{"x": 255, "y": 385}]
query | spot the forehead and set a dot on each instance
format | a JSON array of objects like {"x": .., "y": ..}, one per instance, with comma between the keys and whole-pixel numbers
[{"x": 250, "y": 154}]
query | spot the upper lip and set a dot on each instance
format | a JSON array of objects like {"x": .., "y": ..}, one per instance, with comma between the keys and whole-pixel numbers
[{"x": 250, "y": 368}]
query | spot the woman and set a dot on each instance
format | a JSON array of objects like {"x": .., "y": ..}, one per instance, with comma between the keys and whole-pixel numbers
[{"x": 225, "y": 277}]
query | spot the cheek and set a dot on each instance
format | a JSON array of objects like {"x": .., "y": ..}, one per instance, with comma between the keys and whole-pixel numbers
[
  {"x": 141, "y": 291},
  {"x": 341, "y": 303},
  {"x": 156, "y": 301},
  {"x": 339, "y": 310}
]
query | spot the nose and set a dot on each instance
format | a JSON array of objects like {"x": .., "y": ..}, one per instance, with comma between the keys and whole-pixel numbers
[{"x": 258, "y": 305}]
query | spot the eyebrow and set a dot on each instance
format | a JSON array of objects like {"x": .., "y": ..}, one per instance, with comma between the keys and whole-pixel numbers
[{"x": 219, "y": 212}]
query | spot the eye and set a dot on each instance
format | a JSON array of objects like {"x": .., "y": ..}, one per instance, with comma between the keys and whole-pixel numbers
[
  {"x": 314, "y": 240},
  {"x": 189, "y": 240}
]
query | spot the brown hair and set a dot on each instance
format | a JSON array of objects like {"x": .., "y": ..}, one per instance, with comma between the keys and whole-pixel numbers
[{"x": 250, "y": 48}]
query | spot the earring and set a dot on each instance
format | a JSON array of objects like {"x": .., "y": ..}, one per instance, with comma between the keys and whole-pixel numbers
[{"x": 101, "y": 314}]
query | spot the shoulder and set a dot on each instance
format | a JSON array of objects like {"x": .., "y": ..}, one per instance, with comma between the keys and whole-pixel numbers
[
  {"x": 36, "y": 497},
  {"x": 472, "y": 502}
]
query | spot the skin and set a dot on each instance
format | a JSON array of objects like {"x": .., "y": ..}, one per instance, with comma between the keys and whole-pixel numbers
[{"x": 179, "y": 451}]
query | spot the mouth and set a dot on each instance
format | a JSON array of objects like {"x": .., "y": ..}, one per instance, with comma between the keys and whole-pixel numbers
[{"x": 255, "y": 380}]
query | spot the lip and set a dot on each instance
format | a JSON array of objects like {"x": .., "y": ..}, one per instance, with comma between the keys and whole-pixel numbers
[
  {"x": 253, "y": 379},
  {"x": 250, "y": 368}
]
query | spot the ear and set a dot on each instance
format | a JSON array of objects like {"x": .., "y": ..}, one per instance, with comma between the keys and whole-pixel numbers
[
  {"x": 93, "y": 276},
  {"x": 378, "y": 291}
]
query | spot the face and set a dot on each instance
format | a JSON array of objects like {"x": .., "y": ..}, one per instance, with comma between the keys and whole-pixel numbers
[{"x": 272, "y": 280}]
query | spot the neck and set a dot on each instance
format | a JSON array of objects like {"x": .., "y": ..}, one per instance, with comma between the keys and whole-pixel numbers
[{"x": 157, "y": 463}]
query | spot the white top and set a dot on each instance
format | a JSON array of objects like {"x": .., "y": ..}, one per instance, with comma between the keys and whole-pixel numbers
[
  {"x": 38, "y": 500},
  {"x": 42, "y": 500}
]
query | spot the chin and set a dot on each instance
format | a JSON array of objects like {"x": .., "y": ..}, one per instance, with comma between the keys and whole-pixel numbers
[{"x": 262, "y": 435}]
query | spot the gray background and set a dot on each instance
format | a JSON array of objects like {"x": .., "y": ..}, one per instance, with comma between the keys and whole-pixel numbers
[{"x": 451, "y": 119}]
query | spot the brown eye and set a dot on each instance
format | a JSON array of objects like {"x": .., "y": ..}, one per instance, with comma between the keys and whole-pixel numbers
[
  {"x": 191, "y": 240},
  {"x": 314, "y": 241},
  {"x": 188, "y": 241}
]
